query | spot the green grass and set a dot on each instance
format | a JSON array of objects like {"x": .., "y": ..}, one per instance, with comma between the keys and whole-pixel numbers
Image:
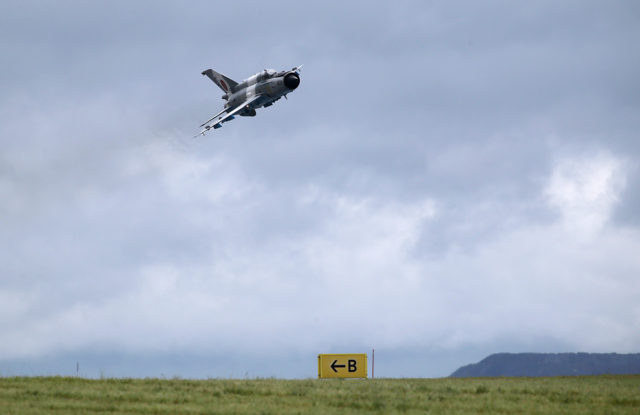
[{"x": 561, "y": 395}]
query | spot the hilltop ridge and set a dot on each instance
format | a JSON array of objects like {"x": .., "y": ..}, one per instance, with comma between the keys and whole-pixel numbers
[{"x": 551, "y": 364}]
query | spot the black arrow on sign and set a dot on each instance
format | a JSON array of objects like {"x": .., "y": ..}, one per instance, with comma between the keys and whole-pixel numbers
[{"x": 334, "y": 366}]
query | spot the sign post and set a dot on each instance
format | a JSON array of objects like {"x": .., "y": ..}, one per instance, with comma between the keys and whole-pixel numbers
[{"x": 342, "y": 365}]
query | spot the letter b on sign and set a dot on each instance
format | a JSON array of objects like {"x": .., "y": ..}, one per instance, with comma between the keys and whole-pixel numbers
[{"x": 352, "y": 365}]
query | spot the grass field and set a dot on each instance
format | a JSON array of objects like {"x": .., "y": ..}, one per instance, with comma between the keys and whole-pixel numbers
[{"x": 562, "y": 395}]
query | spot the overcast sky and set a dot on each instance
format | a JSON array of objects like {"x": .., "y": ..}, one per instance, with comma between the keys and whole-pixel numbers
[{"x": 451, "y": 179}]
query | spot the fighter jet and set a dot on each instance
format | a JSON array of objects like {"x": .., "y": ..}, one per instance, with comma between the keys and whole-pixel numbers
[{"x": 259, "y": 90}]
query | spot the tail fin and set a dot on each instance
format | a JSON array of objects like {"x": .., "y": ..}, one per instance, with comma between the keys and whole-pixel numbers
[{"x": 228, "y": 85}]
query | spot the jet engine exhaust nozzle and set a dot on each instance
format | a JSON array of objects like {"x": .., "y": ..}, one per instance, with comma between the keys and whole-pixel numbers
[{"x": 291, "y": 81}]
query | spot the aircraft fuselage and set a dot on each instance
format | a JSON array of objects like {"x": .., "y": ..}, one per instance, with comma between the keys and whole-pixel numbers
[{"x": 269, "y": 85}]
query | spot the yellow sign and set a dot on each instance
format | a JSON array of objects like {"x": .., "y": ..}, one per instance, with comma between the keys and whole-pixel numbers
[{"x": 342, "y": 365}]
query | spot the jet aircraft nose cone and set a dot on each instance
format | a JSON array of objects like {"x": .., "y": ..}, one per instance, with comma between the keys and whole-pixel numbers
[{"x": 291, "y": 81}]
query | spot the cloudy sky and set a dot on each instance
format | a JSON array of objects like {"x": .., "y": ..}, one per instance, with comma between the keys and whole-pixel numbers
[{"x": 451, "y": 179}]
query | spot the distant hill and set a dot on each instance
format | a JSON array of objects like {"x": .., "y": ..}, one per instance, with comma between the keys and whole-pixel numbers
[{"x": 551, "y": 364}]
